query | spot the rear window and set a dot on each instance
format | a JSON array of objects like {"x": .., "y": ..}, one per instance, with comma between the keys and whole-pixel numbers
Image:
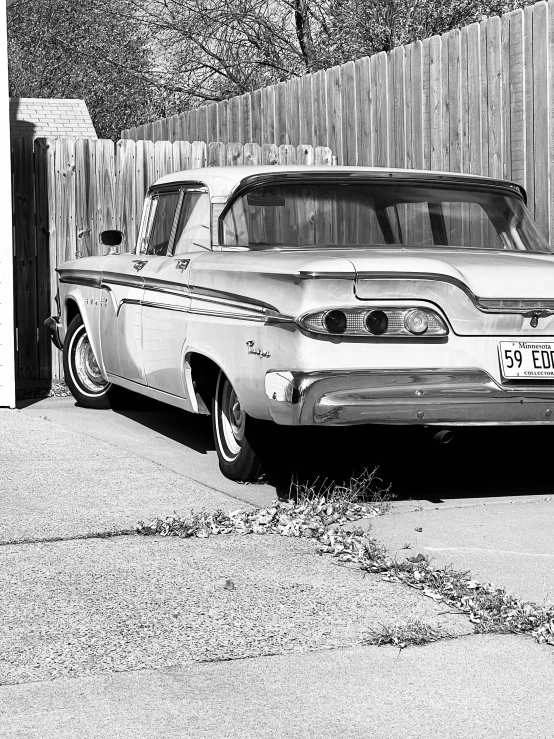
[{"x": 331, "y": 214}]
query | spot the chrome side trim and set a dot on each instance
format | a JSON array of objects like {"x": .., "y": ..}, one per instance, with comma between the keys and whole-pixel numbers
[
  {"x": 85, "y": 277},
  {"x": 116, "y": 278},
  {"x": 407, "y": 397},
  {"x": 485, "y": 305}
]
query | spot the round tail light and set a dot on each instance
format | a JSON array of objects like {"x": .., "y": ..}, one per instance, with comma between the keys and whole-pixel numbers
[
  {"x": 416, "y": 321},
  {"x": 377, "y": 322},
  {"x": 335, "y": 322}
]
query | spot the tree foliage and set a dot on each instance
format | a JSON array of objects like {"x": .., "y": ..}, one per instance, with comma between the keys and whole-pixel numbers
[
  {"x": 85, "y": 49},
  {"x": 138, "y": 60}
]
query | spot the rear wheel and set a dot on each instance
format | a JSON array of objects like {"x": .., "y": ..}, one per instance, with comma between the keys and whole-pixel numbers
[
  {"x": 233, "y": 429},
  {"x": 82, "y": 373}
]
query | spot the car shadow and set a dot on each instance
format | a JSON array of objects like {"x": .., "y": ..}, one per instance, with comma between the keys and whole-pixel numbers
[
  {"x": 477, "y": 462},
  {"x": 189, "y": 429}
]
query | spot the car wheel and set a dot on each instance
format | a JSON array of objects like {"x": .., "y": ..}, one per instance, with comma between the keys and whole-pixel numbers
[
  {"x": 232, "y": 428},
  {"x": 82, "y": 373}
]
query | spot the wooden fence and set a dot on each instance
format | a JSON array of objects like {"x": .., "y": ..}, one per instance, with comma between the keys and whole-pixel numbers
[
  {"x": 478, "y": 100},
  {"x": 66, "y": 191}
]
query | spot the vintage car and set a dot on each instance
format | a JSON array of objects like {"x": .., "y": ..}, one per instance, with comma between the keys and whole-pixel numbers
[{"x": 307, "y": 295}]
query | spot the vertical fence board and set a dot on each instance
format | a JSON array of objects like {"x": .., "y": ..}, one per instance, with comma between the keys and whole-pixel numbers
[
  {"x": 217, "y": 155},
  {"x": 426, "y": 87},
  {"x": 319, "y": 104},
  {"x": 245, "y": 119},
  {"x": 287, "y": 154},
  {"x": 234, "y": 154},
  {"x": 270, "y": 154},
  {"x": 506, "y": 97},
  {"x": 334, "y": 112},
  {"x": 281, "y": 113},
  {"x": 349, "y": 114},
  {"x": 363, "y": 136},
  {"x": 234, "y": 119},
  {"x": 85, "y": 196},
  {"x": 125, "y": 189},
  {"x": 65, "y": 198},
  {"x": 540, "y": 115},
  {"x": 323, "y": 155},
  {"x": 517, "y": 97},
  {"x": 199, "y": 154},
  {"x": 145, "y": 174},
  {"x": 222, "y": 125},
  {"x": 163, "y": 158},
  {"x": 268, "y": 115},
  {"x": 305, "y": 154},
  {"x": 416, "y": 133},
  {"x": 306, "y": 111},
  {"x": 494, "y": 89},
  {"x": 397, "y": 110},
  {"x": 256, "y": 116},
  {"x": 435, "y": 103},
  {"x": 379, "y": 116},
  {"x": 252, "y": 154},
  {"x": 211, "y": 116},
  {"x": 529, "y": 107},
  {"x": 551, "y": 119},
  {"x": 454, "y": 101}
]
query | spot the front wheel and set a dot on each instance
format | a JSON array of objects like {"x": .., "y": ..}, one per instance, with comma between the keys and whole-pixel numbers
[
  {"x": 232, "y": 429},
  {"x": 82, "y": 373}
]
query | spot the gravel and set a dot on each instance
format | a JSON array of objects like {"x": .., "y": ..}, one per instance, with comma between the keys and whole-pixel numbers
[{"x": 81, "y": 608}]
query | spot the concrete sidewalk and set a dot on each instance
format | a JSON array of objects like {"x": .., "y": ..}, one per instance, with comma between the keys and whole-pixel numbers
[
  {"x": 509, "y": 542},
  {"x": 228, "y": 636},
  {"x": 481, "y": 686}
]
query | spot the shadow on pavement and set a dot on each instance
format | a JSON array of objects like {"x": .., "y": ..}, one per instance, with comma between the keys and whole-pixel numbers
[{"x": 478, "y": 462}]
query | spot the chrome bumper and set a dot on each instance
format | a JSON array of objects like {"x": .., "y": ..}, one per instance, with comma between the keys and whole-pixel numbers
[
  {"x": 421, "y": 397},
  {"x": 53, "y": 325}
]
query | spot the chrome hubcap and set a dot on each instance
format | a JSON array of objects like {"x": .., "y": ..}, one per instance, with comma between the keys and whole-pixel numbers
[
  {"x": 87, "y": 367},
  {"x": 232, "y": 420}
]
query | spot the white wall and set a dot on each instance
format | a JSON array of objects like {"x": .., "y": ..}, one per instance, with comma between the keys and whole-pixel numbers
[{"x": 7, "y": 367}]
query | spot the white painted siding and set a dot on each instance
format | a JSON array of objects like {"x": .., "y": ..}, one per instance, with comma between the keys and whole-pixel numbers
[{"x": 7, "y": 368}]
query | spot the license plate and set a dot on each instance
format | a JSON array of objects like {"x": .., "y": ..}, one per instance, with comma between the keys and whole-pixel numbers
[{"x": 527, "y": 360}]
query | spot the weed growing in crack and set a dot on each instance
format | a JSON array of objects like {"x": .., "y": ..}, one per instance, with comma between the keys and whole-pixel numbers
[{"x": 411, "y": 632}]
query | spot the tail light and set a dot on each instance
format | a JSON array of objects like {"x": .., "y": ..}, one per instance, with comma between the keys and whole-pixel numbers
[{"x": 382, "y": 322}]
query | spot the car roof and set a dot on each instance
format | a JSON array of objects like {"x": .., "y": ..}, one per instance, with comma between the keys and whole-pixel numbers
[{"x": 222, "y": 181}]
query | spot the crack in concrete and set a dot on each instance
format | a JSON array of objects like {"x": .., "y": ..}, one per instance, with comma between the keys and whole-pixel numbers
[{"x": 485, "y": 549}]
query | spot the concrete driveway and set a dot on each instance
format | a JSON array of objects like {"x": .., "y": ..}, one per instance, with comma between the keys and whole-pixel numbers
[{"x": 114, "y": 637}]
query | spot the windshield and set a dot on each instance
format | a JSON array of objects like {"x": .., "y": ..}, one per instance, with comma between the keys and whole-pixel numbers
[{"x": 377, "y": 214}]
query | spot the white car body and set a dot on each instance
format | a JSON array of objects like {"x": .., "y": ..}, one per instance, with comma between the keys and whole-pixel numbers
[{"x": 153, "y": 328}]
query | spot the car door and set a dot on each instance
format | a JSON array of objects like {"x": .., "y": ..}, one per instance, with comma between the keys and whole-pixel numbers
[
  {"x": 123, "y": 286},
  {"x": 166, "y": 300}
]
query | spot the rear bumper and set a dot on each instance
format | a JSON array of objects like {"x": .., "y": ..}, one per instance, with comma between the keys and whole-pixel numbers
[
  {"x": 53, "y": 326},
  {"x": 457, "y": 397}
]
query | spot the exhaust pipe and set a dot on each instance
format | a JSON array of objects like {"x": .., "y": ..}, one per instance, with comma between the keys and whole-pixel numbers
[{"x": 444, "y": 436}]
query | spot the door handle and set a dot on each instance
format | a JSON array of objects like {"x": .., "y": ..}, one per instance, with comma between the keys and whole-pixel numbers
[
  {"x": 182, "y": 263},
  {"x": 139, "y": 263}
]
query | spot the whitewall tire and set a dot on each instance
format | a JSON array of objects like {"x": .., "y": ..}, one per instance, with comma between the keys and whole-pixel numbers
[
  {"x": 233, "y": 429},
  {"x": 82, "y": 373}
]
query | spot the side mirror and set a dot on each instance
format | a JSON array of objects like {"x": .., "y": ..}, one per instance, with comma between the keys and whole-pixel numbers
[{"x": 112, "y": 239}]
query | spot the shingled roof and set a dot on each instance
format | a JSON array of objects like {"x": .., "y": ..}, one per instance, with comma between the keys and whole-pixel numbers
[{"x": 50, "y": 117}]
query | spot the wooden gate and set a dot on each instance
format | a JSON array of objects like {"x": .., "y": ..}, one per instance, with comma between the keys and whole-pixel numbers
[{"x": 66, "y": 191}]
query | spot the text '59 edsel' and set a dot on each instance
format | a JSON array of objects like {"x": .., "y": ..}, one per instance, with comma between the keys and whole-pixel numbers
[{"x": 309, "y": 295}]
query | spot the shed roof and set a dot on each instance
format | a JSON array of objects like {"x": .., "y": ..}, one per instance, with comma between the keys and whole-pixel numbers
[{"x": 50, "y": 117}]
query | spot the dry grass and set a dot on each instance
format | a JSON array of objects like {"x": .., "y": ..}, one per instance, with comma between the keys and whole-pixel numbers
[{"x": 411, "y": 632}]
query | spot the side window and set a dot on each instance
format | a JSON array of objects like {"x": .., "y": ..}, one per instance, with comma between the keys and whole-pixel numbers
[
  {"x": 193, "y": 228},
  {"x": 159, "y": 231}
]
